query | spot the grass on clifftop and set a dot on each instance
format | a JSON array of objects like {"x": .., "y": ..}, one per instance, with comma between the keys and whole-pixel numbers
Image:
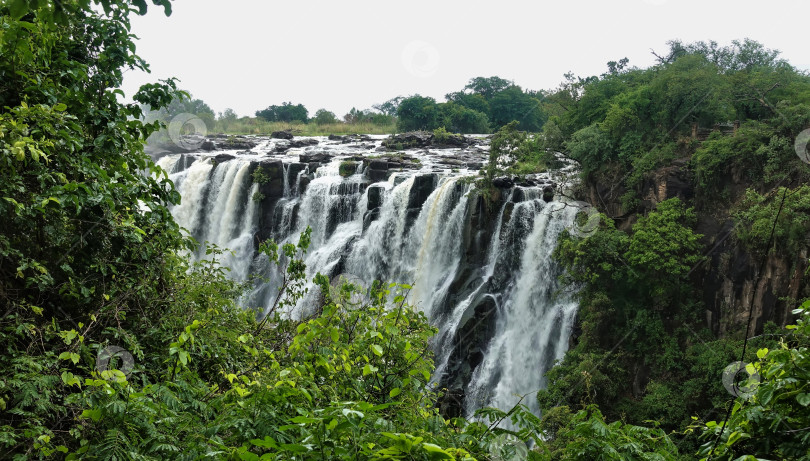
[{"x": 259, "y": 126}]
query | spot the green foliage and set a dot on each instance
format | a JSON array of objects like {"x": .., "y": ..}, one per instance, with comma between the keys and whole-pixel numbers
[
  {"x": 460, "y": 119},
  {"x": 586, "y": 435},
  {"x": 347, "y": 168},
  {"x": 389, "y": 107},
  {"x": 638, "y": 120},
  {"x": 286, "y": 112},
  {"x": 487, "y": 87},
  {"x": 91, "y": 262},
  {"x": 591, "y": 147},
  {"x": 514, "y": 151},
  {"x": 773, "y": 422},
  {"x": 86, "y": 237},
  {"x": 491, "y": 103},
  {"x": 441, "y": 136},
  {"x": 513, "y": 104},
  {"x": 756, "y": 216},
  {"x": 417, "y": 113},
  {"x": 663, "y": 245},
  {"x": 260, "y": 176},
  {"x": 323, "y": 116},
  {"x": 634, "y": 298}
]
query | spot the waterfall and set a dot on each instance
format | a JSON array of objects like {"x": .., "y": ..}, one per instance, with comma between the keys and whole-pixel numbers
[
  {"x": 481, "y": 271},
  {"x": 534, "y": 321}
]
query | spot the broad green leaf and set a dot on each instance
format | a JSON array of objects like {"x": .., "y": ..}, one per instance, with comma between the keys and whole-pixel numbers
[
  {"x": 72, "y": 356},
  {"x": 69, "y": 379},
  {"x": 141, "y": 4},
  {"x": 765, "y": 395},
  {"x": 95, "y": 415},
  {"x": 435, "y": 452},
  {"x": 18, "y": 8}
]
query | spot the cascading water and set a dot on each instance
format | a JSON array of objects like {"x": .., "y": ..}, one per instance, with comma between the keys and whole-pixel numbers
[{"x": 470, "y": 261}]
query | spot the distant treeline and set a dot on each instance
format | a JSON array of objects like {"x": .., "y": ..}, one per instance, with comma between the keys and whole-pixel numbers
[{"x": 484, "y": 105}]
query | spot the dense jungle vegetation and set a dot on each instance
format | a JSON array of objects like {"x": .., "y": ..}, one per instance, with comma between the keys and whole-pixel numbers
[{"x": 116, "y": 346}]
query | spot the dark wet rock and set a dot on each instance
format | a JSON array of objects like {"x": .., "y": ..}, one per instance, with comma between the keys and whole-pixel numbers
[
  {"x": 469, "y": 344},
  {"x": 377, "y": 169},
  {"x": 548, "y": 193},
  {"x": 451, "y": 140},
  {"x": 221, "y": 158},
  {"x": 408, "y": 140},
  {"x": 271, "y": 189},
  {"x": 293, "y": 169},
  {"x": 208, "y": 145},
  {"x": 451, "y": 162},
  {"x": 298, "y": 143},
  {"x": 423, "y": 185},
  {"x": 378, "y": 164},
  {"x": 369, "y": 217},
  {"x": 283, "y": 134},
  {"x": 350, "y": 138},
  {"x": 378, "y": 175},
  {"x": 375, "y": 196},
  {"x": 281, "y": 147},
  {"x": 424, "y": 139},
  {"x": 309, "y": 157},
  {"x": 303, "y": 183},
  {"x": 503, "y": 182},
  {"x": 236, "y": 142},
  {"x": 475, "y": 165}
]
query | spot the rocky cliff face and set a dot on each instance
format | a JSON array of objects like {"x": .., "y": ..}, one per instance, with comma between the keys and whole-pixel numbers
[{"x": 732, "y": 279}]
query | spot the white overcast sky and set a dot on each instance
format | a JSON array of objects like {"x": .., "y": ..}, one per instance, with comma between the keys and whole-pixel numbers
[{"x": 249, "y": 54}]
